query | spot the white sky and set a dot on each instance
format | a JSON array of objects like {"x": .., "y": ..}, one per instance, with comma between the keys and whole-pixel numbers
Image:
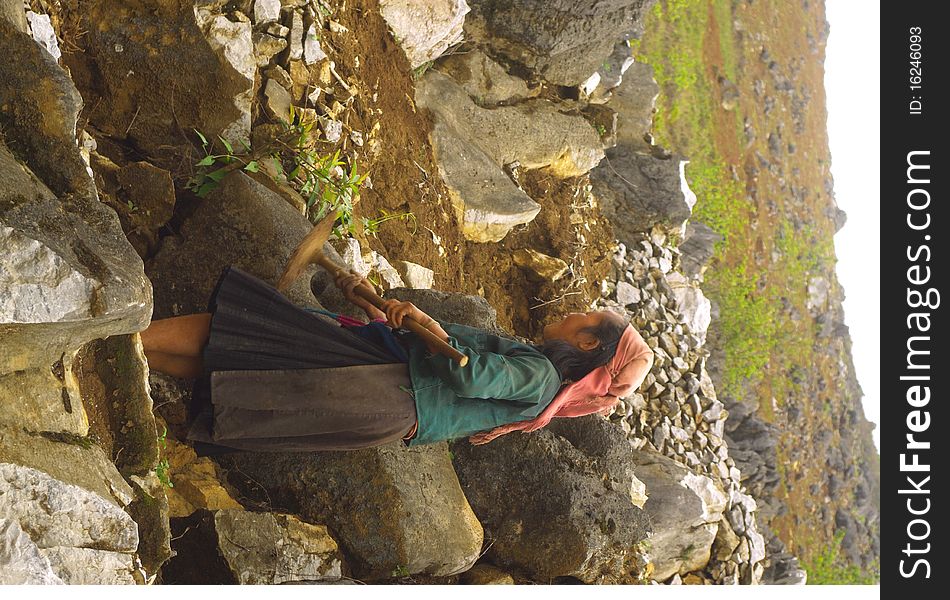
[{"x": 852, "y": 86}]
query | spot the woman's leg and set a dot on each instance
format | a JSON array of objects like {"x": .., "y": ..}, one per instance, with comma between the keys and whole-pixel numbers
[
  {"x": 183, "y": 367},
  {"x": 185, "y": 335},
  {"x": 174, "y": 346}
]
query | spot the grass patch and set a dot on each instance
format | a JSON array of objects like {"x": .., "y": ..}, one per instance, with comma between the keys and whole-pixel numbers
[{"x": 828, "y": 567}]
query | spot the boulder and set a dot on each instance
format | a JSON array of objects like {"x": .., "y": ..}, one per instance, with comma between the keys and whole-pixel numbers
[
  {"x": 635, "y": 101},
  {"x": 240, "y": 223},
  {"x": 21, "y": 562},
  {"x": 699, "y": 245},
  {"x": 533, "y": 133},
  {"x": 391, "y": 508},
  {"x": 685, "y": 509},
  {"x": 638, "y": 191},
  {"x": 558, "y": 502},
  {"x": 485, "y": 574},
  {"x": 84, "y": 537},
  {"x": 484, "y": 80},
  {"x": 562, "y": 41},
  {"x": 539, "y": 266},
  {"x": 424, "y": 29},
  {"x": 610, "y": 74},
  {"x": 135, "y": 48},
  {"x": 43, "y": 398},
  {"x": 693, "y": 306}
]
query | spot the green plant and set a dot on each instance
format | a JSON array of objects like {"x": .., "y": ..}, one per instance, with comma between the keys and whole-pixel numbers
[
  {"x": 829, "y": 567},
  {"x": 601, "y": 130},
  {"x": 326, "y": 182},
  {"x": 162, "y": 468},
  {"x": 401, "y": 571},
  {"x": 371, "y": 226},
  {"x": 419, "y": 71}
]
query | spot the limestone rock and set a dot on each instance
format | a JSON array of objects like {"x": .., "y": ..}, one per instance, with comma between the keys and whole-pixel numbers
[
  {"x": 134, "y": 45},
  {"x": 296, "y": 35},
  {"x": 533, "y": 133},
  {"x": 424, "y": 29},
  {"x": 419, "y": 518},
  {"x": 484, "y": 80},
  {"x": 90, "y": 566},
  {"x": 196, "y": 483},
  {"x": 635, "y": 101},
  {"x": 266, "y": 47},
  {"x": 21, "y": 562},
  {"x": 304, "y": 552},
  {"x": 43, "y": 33},
  {"x": 563, "y": 41},
  {"x": 240, "y": 223},
  {"x": 684, "y": 509},
  {"x": 638, "y": 191},
  {"x": 312, "y": 52},
  {"x": 43, "y": 398},
  {"x": 277, "y": 101},
  {"x": 557, "y": 501},
  {"x": 414, "y": 276},
  {"x": 694, "y": 308},
  {"x": 538, "y": 265},
  {"x": 698, "y": 246},
  {"x": 485, "y": 574},
  {"x": 266, "y": 11}
]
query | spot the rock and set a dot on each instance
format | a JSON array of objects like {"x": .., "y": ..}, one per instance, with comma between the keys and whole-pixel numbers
[
  {"x": 281, "y": 76},
  {"x": 78, "y": 532},
  {"x": 485, "y": 574},
  {"x": 485, "y": 200},
  {"x": 332, "y": 130},
  {"x": 196, "y": 484},
  {"x": 694, "y": 308},
  {"x": 634, "y": 100},
  {"x": 141, "y": 194},
  {"x": 277, "y": 101},
  {"x": 312, "y": 52},
  {"x": 463, "y": 309},
  {"x": 266, "y": 11},
  {"x": 39, "y": 106},
  {"x": 726, "y": 541},
  {"x": 73, "y": 461},
  {"x": 210, "y": 58},
  {"x": 419, "y": 518},
  {"x": 390, "y": 276},
  {"x": 534, "y": 133},
  {"x": 697, "y": 248},
  {"x": 645, "y": 190},
  {"x": 627, "y": 294},
  {"x": 296, "y": 35},
  {"x": 304, "y": 552},
  {"x": 43, "y": 33},
  {"x": 611, "y": 72},
  {"x": 818, "y": 294},
  {"x": 14, "y": 14},
  {"x": 44, "y": 398},
  {"x": 684, "y": 509},
  {"x": 21, "y": 562},
  {"x": 424, "y": 29},
  {"x": 415, "y": 276},
  {"x": 266, "y": 47},
  {"x": 563, "y": 41},
  {"x": 484, "y": 80},
  {"x": 240, "y": 223},
  {"x": 540, "y": 267},
  {"x": 729, "y": 94},
  {"x": 557, "y": 501},
  {"x": 90, "y": 566}
]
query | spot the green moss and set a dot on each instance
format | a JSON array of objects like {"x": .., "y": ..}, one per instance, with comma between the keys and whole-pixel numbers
[{"x": 828, "y": 567}]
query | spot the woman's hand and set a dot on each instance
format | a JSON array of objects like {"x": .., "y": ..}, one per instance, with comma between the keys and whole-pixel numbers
[
  {"x": 397, "y": 310},
  {"x": 348, "y": 282}
]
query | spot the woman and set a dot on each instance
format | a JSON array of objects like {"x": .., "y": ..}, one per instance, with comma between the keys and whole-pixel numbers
[{"x": 271, "y": 376}]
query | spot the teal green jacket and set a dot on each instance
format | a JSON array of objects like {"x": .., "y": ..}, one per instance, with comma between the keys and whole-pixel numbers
[{"x": 504, "y": 382}]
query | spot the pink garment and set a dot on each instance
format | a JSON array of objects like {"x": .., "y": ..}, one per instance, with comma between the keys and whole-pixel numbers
[{"x": 598, "y": 392}]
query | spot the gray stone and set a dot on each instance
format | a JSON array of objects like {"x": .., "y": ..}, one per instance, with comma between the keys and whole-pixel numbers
[
  {"x": 638, "y": 191},
  {"x": 563, "y": 41},
  {"x": 266, "y": 47},
  {"x": 296, "y": 36},
  {"x": 266, "y": 11},
  {"x": 484, "y": 80},
  {"x": 684, "y": 509},
  {"x": 91, "y": 566},
  {"x": 539, "y": 266},
  {"x": 557, "y": 501},
  {"x": 269, "y": 549},
  {"x": 485, "y": 200},
  {"x": 417, "y": 514},
  {"x": 627, "y": 294},
  {"x": 312, "y": 52},
  {"x": 43, "y": 33},
  {"x": 635, "y": 101},
  {"x": 277, "y": 101},
  {"x": 37, "y": 399},
  {"x": 14, "y": 14},
  {"x": 415, "y": 276},
  {"x": 424, "y": 29},
  {"x": 123, "y": 58},
  {"x": 533, "y": 133},
  {"x": 240, "y": 223},
  {"x": 21, "y": 562}
]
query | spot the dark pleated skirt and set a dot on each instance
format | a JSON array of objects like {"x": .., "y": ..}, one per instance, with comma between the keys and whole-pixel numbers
[{"x": 255, "y": 327}]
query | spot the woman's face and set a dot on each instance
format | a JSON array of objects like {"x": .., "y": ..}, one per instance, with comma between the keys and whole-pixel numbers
[{"x": 569, "y": 328}]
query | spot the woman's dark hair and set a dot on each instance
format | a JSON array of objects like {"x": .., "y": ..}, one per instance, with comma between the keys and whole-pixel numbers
[{"x": 572, "y": 362}]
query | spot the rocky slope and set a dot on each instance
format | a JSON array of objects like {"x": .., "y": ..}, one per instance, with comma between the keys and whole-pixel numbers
[{"x": 524, "y": 187}]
